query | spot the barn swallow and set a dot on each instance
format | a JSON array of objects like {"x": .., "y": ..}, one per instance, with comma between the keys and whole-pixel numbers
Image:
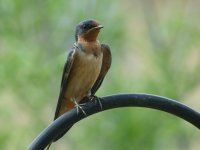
[{"x": 87, "y": 64}]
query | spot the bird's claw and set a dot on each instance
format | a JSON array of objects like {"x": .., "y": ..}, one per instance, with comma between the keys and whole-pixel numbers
[
  {"x": 96, "y": 99},
  {"x": 78, "y": 106},
  {"x": 99, "y": 101}
]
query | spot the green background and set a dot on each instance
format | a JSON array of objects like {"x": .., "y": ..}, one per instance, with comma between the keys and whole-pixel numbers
[{"x": 156, "y": 50}]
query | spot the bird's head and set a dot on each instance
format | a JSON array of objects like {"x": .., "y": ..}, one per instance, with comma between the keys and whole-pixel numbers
[{"x": 87, "y": 30}]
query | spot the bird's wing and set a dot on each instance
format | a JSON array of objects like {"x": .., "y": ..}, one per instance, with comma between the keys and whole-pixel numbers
[
  {"x": 65, "y": 76},
  {"x": 66, "y": 72},
  {"x": 106, "y": 63}
]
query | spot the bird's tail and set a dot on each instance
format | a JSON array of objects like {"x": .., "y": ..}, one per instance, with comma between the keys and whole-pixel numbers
[
  {"x": 62, "y": 133},
  {"x": 85, "y": 99},
  {"x": 49, "y": 146},
  {"x": 59, "y": 136}
]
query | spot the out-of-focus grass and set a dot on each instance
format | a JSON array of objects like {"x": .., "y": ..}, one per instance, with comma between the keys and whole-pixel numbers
[{"x": 155, "y": 47}]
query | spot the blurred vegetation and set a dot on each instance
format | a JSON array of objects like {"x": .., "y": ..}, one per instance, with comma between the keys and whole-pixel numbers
[{"x": 156, "y": 49}]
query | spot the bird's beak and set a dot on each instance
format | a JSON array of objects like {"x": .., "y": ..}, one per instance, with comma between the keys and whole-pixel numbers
[{"x": 98, "y": 27}]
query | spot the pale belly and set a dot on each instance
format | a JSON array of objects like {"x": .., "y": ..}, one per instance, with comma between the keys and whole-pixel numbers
[{"x": 83, "y": 74}]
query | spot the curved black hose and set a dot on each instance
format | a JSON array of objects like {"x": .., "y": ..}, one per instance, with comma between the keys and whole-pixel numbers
[{"x": 114, "y": 101}]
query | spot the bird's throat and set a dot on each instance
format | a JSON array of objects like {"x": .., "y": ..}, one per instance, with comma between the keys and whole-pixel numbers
[{"x": 90, "y": 36}]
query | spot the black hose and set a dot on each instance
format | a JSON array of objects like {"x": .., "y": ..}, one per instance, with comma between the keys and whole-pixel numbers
[{"x": 110, "y": 102}]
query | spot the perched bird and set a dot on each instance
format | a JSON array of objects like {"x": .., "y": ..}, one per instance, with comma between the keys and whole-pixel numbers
[{"x": 85, "y": 68}]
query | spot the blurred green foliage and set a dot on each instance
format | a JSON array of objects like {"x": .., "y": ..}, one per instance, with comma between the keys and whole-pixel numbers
[{"x": 155, "y": 46}]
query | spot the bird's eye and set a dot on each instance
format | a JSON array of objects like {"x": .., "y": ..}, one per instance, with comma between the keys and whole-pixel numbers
[{"x": 86, "y": 26}]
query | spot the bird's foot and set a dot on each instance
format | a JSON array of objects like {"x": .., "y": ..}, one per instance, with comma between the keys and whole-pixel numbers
[
  {"x": 91, "y": 98},
  {"x": 78, "y": 107},
  {"x": 96, "y": 99}
]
